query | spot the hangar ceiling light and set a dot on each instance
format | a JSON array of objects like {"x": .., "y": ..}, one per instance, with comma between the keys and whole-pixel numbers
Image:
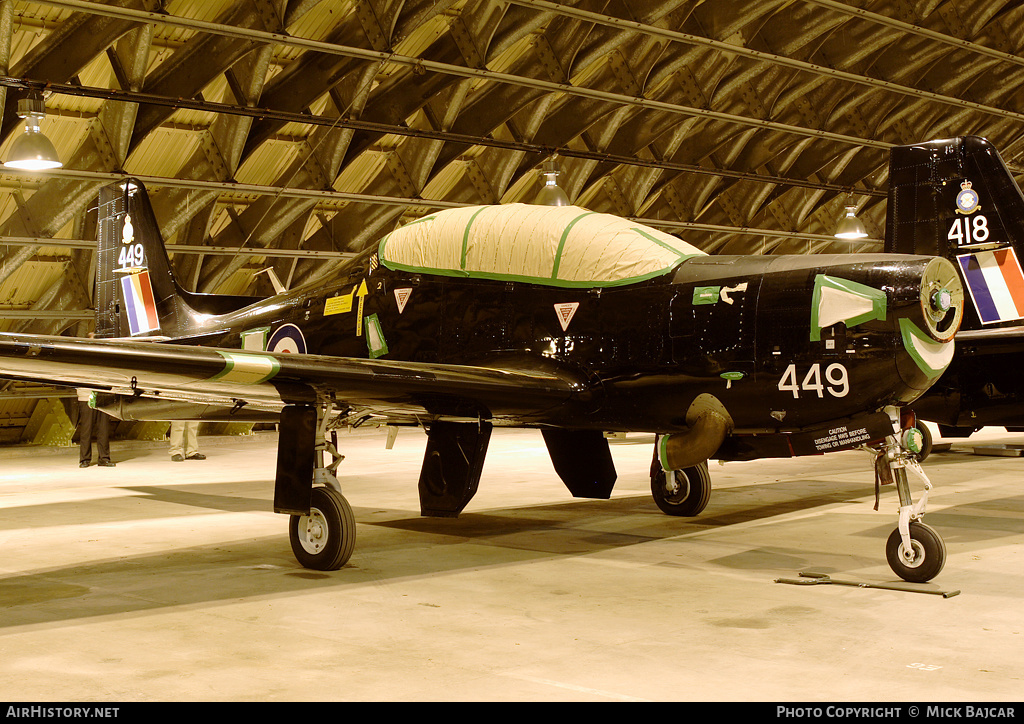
[
  {"x": 850, "y": 227},
  {"x": 32, "y": 150},
  {"x": 551, "y": 194}
]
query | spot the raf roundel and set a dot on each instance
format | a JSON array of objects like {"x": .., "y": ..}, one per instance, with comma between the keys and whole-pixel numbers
[{"x": 287, "y": 338}]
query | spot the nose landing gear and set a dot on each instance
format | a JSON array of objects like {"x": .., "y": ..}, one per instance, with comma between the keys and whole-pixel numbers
[{"x": 914, "y": 551}]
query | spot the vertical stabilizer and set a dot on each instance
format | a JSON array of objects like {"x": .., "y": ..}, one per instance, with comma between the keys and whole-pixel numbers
[
  {"x": 955, "y": 198},
  {"x": 136, "y": 294}
]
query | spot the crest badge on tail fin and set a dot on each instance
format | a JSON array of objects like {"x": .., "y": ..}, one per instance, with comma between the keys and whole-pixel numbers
[
  {"x": 956, "y": 198},
  {"x": 967, "y": 201},
  {"x": 136, "y": 290}
]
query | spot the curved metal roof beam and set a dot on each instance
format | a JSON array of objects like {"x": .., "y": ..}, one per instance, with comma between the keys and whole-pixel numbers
[
  {"x": 913, "y": 29},
  {"x": 66, "y": 50},
  {"x": 759, "y": 55},
  {"x": 279, "y": 38},
  {"x": 451, "y": 69}
]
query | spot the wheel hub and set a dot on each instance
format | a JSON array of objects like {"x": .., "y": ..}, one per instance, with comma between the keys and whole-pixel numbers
[
  {"x": 313, "y": 529},
  {"x": 913, "y": 557},
  {"x": 677, "y": 487}
]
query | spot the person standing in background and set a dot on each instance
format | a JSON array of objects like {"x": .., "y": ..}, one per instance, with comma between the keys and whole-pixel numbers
[
  {"x": 185, "y": 441},
  {"x": 89, "y": 420}
]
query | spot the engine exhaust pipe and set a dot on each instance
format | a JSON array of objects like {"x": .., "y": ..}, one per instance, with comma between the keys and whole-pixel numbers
[{"x": 709, "y": 423}]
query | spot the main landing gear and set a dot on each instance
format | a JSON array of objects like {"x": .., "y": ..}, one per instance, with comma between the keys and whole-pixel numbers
[
  {"x": 324, "y": 539},
  {"x": 915, "y": 552},
  {"x": 683, "y": 492}
]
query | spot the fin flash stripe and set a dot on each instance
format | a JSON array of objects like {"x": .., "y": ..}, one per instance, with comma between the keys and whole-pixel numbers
[{"x": 246, "y": 369}]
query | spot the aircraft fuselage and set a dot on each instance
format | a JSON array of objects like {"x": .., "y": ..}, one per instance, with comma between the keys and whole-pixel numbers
[{"x": 737, "y": 327}]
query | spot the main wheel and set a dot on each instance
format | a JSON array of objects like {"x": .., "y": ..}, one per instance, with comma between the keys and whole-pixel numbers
[
  {"x": 926, "y": 446},
  {"x": 682, "y": 492},
  {"x": 324, "y": 539},
  {"x": 924, "y": 560}
]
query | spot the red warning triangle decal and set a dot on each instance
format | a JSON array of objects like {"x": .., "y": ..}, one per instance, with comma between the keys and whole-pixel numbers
[
  {"x": 401, "y": 297},
  {"x": 565, "y": 313}
]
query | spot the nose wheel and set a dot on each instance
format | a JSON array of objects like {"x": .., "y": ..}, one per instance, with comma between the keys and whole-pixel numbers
[
  {"x": 915, "y": 552},
  {"x": 922, "y": 559},
  {"x": 683, "y": 492}
]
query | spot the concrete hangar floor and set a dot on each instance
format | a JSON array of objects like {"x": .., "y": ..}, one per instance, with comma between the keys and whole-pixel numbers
[{"x": 164, "y": 581}]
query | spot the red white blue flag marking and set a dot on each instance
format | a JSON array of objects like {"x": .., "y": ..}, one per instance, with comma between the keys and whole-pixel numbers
[
  {"x": 996, "y": 284},
  {"x": 139, "y": 303}
]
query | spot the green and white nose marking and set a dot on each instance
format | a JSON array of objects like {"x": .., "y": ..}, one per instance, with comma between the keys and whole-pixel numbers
[{"x": 931, "y": 356}]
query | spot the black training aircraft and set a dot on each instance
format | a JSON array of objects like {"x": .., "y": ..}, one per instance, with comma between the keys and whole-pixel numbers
[
  {"x": 557, "y": 318},
  {"x": 955, "y": 198}
]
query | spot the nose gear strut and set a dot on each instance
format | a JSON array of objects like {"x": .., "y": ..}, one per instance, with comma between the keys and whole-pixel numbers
[{"x": 915, "y": 551}]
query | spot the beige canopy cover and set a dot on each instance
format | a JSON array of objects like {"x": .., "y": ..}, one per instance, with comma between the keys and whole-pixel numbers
[{"x": 562, "y": 246}]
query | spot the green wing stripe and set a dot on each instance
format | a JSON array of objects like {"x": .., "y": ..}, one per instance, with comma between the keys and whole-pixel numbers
[{"x": 247, "y": 369}]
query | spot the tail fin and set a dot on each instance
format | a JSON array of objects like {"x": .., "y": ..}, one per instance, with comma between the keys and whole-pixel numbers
[
  {"x": 135, "y": 287},
  {"x": 136, "y": 292},
  {"x": 955, "y": 198}
]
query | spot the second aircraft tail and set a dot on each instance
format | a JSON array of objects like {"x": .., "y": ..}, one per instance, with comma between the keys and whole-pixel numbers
[{"x": 955, "y": 198}]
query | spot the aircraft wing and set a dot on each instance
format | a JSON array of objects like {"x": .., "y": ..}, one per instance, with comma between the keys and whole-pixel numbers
[
  {"x": 1008, "y": 334},
  {"x": 995, "y": 340},
  {"x": 267, "y": 380}
]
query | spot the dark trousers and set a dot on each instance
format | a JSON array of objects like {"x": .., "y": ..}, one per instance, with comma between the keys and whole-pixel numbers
[{"x": 90, "y": 419}]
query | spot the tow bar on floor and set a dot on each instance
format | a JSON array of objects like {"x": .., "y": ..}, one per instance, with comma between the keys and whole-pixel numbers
[{"x": 808, "y": 578}]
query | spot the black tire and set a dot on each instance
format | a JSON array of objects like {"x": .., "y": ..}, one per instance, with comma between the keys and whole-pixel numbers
[
  {"x": 324, "y": 540},
  {"x": 686, "y": 493},
  {"x": 929, "y": 554}
]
